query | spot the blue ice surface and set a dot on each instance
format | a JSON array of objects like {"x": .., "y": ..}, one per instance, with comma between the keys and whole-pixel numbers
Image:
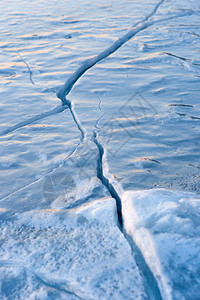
[{"x": 141, "y": 104}]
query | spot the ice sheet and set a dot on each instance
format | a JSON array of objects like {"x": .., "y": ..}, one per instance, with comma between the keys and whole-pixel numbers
[{"x": 139, "y": 106}]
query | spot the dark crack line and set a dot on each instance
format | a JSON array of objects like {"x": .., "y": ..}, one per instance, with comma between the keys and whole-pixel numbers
[
  {"x": 179, "y": 104},
  {"x": 153, "y": 160},
  {"x": 105, "y": 181},
  {"x": 187, "y": 115},
  {"x": 182, "y": 58},
  {"x": 100, "y": 174},
  {"x": 29, "y": 69}
]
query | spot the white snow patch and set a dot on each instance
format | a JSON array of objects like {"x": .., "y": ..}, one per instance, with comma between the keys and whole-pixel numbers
[{"x": 165, "y": 225}]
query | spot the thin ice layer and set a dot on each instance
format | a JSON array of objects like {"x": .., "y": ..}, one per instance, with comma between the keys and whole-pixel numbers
[
  {"x": 165, "y": 226},
  {"x": 69, "y": 254}
]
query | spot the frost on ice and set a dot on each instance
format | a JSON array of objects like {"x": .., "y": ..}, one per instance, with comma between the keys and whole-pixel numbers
[
  {"x": 67, "y": 254},
  {"x": 165, "y": 225}
]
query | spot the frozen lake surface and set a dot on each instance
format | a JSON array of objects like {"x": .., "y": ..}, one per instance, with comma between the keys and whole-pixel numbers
[{"x": 99, "y": 156}]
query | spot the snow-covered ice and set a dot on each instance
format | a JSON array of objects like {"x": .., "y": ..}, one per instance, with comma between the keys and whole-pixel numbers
[
  {"x": 68, "y": 254},
  {"x": 165, "y": 226}
]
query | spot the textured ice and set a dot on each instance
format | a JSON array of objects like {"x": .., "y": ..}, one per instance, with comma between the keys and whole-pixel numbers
[
  {"x": 67, "y": 254},
  {"x": 139, "y": 106},
  {"x": 165, "y": 225},
  {"x": 70, "y": 183}
]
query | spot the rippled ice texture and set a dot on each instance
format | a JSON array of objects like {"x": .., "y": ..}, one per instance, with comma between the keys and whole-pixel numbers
[{"x": 143, "y": 101}]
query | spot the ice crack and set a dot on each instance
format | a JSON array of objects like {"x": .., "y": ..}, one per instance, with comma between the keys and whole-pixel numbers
[
  {"x": 106, "y": 182},
  {"x": 41, "y": 116},
  {"x": 89, "y": 63},
  {"x": 29, "y": 69},
  {"x": 149, "y": 281}
]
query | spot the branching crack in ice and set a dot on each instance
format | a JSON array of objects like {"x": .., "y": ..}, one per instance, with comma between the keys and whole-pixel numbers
[
  {"x": 150, "y": 283},
  {"x": 106, "y": 178},
  {"x": 67, "y": 87}
]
